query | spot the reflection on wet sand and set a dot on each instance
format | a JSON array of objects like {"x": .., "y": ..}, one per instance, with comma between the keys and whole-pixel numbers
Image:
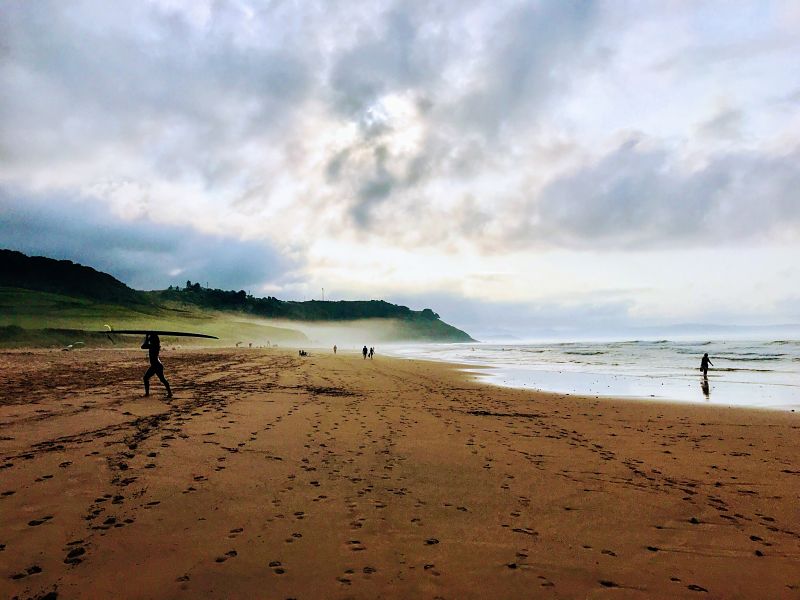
[{"x": 706, "y": 388}]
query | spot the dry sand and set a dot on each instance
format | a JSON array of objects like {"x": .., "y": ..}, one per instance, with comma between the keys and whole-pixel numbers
[{"x": 272, "y": 476}]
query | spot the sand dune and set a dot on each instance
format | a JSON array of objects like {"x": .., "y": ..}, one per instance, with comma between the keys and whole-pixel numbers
[{"x": 273, "y": 476}]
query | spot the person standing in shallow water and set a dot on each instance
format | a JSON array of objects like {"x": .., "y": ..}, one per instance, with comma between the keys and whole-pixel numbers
[
  {"x": 704, "y": 362},
  {"x": 364, "y": 352},
  {"x": 152, "y": 343}
]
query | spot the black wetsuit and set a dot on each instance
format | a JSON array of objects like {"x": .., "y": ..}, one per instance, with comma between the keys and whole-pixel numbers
[
  {"x": 704, "y": 362},
  {"x": 152, "y": 344}
]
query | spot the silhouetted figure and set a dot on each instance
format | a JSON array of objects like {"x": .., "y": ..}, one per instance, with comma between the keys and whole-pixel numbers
[
  {"x": 371, "y": 352},
  {"x": 302, "y": 353},
  {"x": 704, "y": 362},
  {"x": 705, "y": 387},
  {"x": 334, "y": 348},
  {"x": 364, "y": 352},
  {"x": 152, "y": 343}
]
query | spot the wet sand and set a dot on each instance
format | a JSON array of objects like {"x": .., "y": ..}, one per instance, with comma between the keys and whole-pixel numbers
[{"x": 273, "y": 476}]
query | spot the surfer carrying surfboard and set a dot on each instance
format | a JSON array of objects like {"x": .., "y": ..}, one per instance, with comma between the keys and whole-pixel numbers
[{"x": 152, "y": 343}]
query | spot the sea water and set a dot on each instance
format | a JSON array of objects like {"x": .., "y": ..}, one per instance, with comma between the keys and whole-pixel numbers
[{"x": 762, "y": 374}]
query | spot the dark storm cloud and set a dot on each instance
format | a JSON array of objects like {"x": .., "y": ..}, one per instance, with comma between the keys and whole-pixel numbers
[
  {"x": 141, "y": 253},
  {"x": 507, "y": 71},
  {"x": 530, "y": 54},
  {"x": 80, "y": 76},
  {"x": 639, "y": 196},
  {"x": 398, "y": 56}
]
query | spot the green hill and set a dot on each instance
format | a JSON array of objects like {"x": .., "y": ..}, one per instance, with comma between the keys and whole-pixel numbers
[
  {"x": 63, "y": 277},
  {"x": 50, "y": 302},
  {"x": 410, "y": 325}
]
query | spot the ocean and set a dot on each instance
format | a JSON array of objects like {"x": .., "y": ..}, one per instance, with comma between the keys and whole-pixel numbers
[{"x": 763, "y": 374}]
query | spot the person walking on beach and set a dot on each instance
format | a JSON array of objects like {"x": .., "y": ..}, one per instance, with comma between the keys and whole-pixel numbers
[
  {"x": 152, "y": 343},
  {"x": 704, "y": 362},
  {"x": 364, "y": 352},
  {"x": 371, "y": 352},
  {"x": 334, "y": 348}
]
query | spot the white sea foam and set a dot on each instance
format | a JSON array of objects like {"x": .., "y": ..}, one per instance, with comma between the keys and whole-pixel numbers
[{"x": 746, "y": 373}]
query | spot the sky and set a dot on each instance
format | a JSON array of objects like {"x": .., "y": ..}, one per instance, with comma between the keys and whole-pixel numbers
[{"x": 515, "y": 166}]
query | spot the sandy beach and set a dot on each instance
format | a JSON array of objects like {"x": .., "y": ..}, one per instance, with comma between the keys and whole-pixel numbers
[{"x": 274, "y": 476}]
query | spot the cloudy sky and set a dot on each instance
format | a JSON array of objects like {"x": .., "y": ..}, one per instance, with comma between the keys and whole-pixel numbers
[{"x": 513, "y": 165}]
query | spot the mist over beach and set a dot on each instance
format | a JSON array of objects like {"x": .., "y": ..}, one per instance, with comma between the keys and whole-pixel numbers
[{"x": 438, "y": 300}]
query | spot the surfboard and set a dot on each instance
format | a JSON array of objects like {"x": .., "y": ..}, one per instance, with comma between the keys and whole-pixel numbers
[{"x": 160, "y": 332}]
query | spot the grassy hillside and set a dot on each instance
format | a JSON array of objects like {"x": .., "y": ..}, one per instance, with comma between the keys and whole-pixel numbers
[
  {"x": 43, "y": 299},
  {"x": 393, "y": 322},
  {"x": 29, "y": 317}
]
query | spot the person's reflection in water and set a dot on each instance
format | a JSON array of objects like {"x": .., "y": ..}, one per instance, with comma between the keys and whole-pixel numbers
[{"x": 706, "y": 388}]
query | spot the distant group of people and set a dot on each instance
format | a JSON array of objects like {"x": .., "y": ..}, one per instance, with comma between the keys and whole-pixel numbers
[{"x": 365, "y": 352}]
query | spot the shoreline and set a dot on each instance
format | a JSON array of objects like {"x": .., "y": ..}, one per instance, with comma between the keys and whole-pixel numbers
[
  {"x": 335, "y": 477},
  {"x": 772, "y": 389}
]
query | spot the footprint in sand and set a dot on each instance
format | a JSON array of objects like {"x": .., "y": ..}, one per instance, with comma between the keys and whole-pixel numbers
[
  {"x": 74, "y": 556},
  {"x": 277, "y": 568},
  {"x": 33, "y": 570},
  {"x": 356, "y": 546},
  {"x": 226, "y": 556},
  {"x": 546, "y": 582}
]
